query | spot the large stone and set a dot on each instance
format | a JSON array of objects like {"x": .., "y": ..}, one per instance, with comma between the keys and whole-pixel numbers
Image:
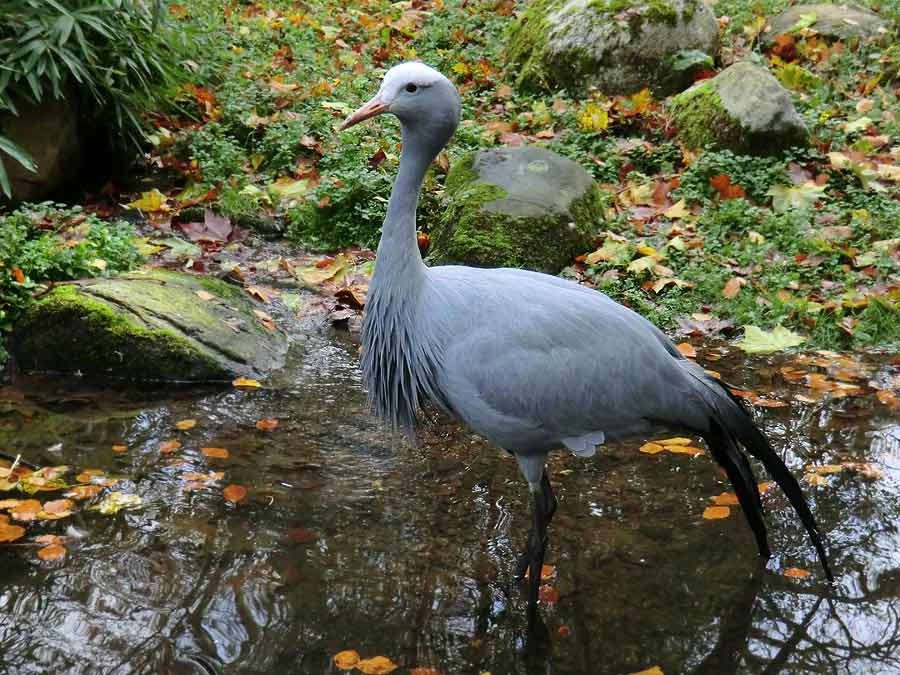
[
  {"x": 618, "y": 46},
  {"x": 49, "y": 133},
  {"x": 744, "y": 109},
  {"x": 833, "y": 21},
  {"x": 148, "y": 326},
  {"x": 516, "y": 207}
]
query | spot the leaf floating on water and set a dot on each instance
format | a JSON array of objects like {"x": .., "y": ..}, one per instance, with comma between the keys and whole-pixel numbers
[
  {"x": 655, "y": 670},
  {"x": 548, "y": 594},
  {"x": 687, "y": 350},
  {"x": 726, "y": 499},
  {"x": 48, "y": 539},
  {"x": 52, "y": 552},
  {"x": 234, "y": 493},
  {"x": 245, "y": 383},
  {"x": 547, "y": 572},
  {"x": 758, "y": 341},
  {"x": 716, "y": 512},
  {"x": 120, "y": 448},
  {"x": 56, "y": 509},
  {"x": 675, "y": 441},
  {"x": 423, "y": 670},
  {"x": 169, "y": 446},
  {"x": 218, "y": 453},
  {"x": 347, "y": 659},
  {"x": 301, "y": 535},
  {"x": 796, "y": 572},
  {"x": 815, "y": 479},
  {"x": 377, "y": 665},
  {"x": 116, "y": 501},
  {"x": 267, "y": 424},
  {"x": 764, "y": 487},
  {"x": 184, "y": 425},
  {"x": 26, "y": 510},
  {"x": 684, "y": 450},
  {"x": 651, "y": 448},
  {"x": 10, "y": 532}
]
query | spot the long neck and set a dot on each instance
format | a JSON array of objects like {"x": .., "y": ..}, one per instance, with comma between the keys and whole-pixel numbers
[{"x": 398, "y": 251}]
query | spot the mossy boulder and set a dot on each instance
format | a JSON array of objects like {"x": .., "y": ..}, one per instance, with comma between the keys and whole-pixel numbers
[
  {"x": 743, "y": 109},
  {"x": 516, "y": 207},
  {"x": 148, "y": 326},
  {"x": 832, "y": 21},
  {"x": 618, "y": 46}
]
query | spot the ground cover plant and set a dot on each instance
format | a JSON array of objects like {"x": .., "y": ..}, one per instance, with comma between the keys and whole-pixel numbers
[{"x": 701, "y": 242}]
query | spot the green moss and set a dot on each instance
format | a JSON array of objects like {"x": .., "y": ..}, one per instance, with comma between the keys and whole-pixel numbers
[
  {"x": 526, "y": 44},
  {"x": 472, "y": 234},
  {"x": 103, "y": 341},
  {"x": 702, "y": 119}
]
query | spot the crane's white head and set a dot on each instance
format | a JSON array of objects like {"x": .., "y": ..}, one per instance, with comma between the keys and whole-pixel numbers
[{"x": 416, "y": 94}]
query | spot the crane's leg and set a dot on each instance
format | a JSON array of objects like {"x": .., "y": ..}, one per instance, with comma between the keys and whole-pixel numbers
[{"x": 543, "y": 505}]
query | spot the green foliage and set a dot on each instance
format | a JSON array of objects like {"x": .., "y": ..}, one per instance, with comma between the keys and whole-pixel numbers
[
  {"x": 754, "y": 174},
  {"x": 111, "y": 52},
  {"x": 47, "y": 242}
]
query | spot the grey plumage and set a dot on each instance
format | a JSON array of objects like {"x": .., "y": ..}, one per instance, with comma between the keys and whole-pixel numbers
[{"x": 530, "y": 361}]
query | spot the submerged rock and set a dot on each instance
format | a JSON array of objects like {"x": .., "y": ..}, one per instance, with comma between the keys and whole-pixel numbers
[
  {"x": 516, "y": 207},
  {"x": 618, "y": 46},
  {"x": 152, "y": 325},
  {"x": 833, "y": 21},
  {"x": 744, "y": 109}
]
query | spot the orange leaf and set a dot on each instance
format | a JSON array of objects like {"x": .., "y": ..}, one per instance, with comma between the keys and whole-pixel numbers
[
  {"x": 547, "y": 572},
  {"x": 425, "y": 671},
  {"x": 675, "y": 441},
  {"x": 10, "y": 532},
  {"x": 169, "y": 446},
  {"x": 218, "y": 453},
  {"x": 58, "y": 506},
  {"x": 48, "y": 539},
  {"x": 267, "y": 424},
  {"x": 796, "y": 573},
  {"x": 377, "y": 665},
  {"x": 234, "y": 493},
  {"x": 548, "y": 594},
  {"x": 726, "y": 499},
  {"x": 347, "y": 659},
  {"x": 716, "y": 512},
  {"x": 17, "y": 273},
  {"x": 651, "y": 448},
  {"x": 684, "y": 450},
  {"x": 244, "y": 383},
  {"x": 184, "y": 425},
  {"x": 655, "y": 670},
  {"x": 722, "y": 184},
  {"x": 732, "y": 286},
  {"x": 84, "y": 491},
  {"x": 687, "y": 350},
  {"x": 120, "y": 448},
  {"x": 764, "y": 487},
  {"x": 52, "y": 552}
]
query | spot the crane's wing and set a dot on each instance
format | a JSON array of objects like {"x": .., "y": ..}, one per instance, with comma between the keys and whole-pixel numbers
[{"x": 533, "y": 361}]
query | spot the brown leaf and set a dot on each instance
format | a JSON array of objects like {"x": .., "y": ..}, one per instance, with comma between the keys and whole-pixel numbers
[
  {"x": 796, "y": 572},
  {"x": 716, "y": 512},
  {"x": 84, "y": 491},
  {"x": 18, "y": 274},
  {"x": 377, "y": 665},
  {"x": 48, "y": 539},
  {"x": 52, "y": 552},
  {"x": 722, "y": 184},
  {"x": 687, "y": 350},
  {"x": 548, "y": 594},
  {"x": 120, "y": 448},
  {"x": 168, "y": 447},
  {"x": 234, "y": 493},
  {"x": 301, "y": 535},
  {"x": 217, "y": 453},
  {"x": 347, "y": 659},
  {"x": 424, "y": 670},
  {"x": 184, "y": 425},
  {"x": 59, "y": 506},
  {"x": 547, "y": 572},
  {"x": 10, "y": 532},
  {"x": 267, "y": 424},
  {"x": 733, "y": 286}
]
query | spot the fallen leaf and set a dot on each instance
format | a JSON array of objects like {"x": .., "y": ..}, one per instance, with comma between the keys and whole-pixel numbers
[
  {"x": 815, "y": 479},
  {"x": 244, "y": 383},
  {"x": 548, "y": 594},
  {"x": 757, "y": 341},
  {"x": 651, "y": 448},
  {"x": 204, "y": 295},
  {"x": 726, "y": 499},
  {"x": 547, "y": 572},
  {"x": 347, "y": 659},
  {"x": 10, "y": 532},
  {"x": 722, "y": 184},
  {"x": 18, "y": 274},
  {"x": 167, "y": 447},
  {"x": 234, "y": 493},
  {"x": 115, "y": 502},
  {"x": 301, "y": 535},
  {"x": 675, "y": 441},
  {"x": 733, "y": 286},
  {"x": 800, "y": 198},
  {"x": 184, "y": 425},
  {"x": 52, "y": 552},
  {"x": 217, "y": 453},
  {"x": 84, "y": 491},
  {"x": 716, "y": 512},
  {"x": 120, "y": 448},
  {"x": 424, "y": 670},
  {"x": 377, "y": 665},
  {"x": 59, "y": 506},
  {"x": 796, "y": 572},
  {"x": 684, "y": 450},
  {"x": 687, "y": 350},
  {"x": 654, "y": 670},
  {"x": 151, "y": 201},
  {"x": 48, "y": 539},
  {"x": 267, "y": 424}
]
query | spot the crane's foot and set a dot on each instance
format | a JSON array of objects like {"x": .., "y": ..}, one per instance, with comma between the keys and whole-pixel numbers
[{"x": 544, "y": 505}]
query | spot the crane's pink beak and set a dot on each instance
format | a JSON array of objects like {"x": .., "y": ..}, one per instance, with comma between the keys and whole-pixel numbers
[{"x": 374, "y": 107}]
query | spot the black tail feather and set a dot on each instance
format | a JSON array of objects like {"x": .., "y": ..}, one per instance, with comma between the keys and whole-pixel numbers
[{"x": 732, "y": 425}]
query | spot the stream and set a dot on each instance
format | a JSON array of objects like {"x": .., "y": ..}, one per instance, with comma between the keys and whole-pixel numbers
[{"x": 351, "y": 538}]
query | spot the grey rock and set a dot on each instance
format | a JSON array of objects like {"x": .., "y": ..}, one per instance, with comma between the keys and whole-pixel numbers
[
  {"x": 516, "y": 207},
  {"x": 834, "y": 21}
]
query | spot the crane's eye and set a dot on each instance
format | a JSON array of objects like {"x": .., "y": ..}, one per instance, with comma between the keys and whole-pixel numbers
[{"x": 411, "y": 88}]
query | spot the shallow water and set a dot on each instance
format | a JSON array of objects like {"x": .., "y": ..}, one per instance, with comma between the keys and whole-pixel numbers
[{"x": 351, "y": 538}]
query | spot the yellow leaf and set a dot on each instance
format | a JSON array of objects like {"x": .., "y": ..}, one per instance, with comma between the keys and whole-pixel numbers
[
  {"x": 217, "y": 453},
  {"x": 593, "y": 118},
  {"x": 151, "y": 201},
  {"x": 678, "y": 210},
  {"x": 815, "y": 479},
  {"x": 244, "y": 383},
  {"x": 377, "y": 665},
  {"x": 716, "y": 512},
  {"x": 764, "y": 487},
  {"x": 346, "y": 659},
  {"x": 796, "y": 572},
  {"x": 675, "y": 441},
  {"x": 120, "y": 448},
  {"x": 655, "y": 670},
  {"x": 204, "y": 295},
  {"x": 684, "y": 450},
  {"x": 184, "y": 425},
  {"x": 651, "y": 448}
]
